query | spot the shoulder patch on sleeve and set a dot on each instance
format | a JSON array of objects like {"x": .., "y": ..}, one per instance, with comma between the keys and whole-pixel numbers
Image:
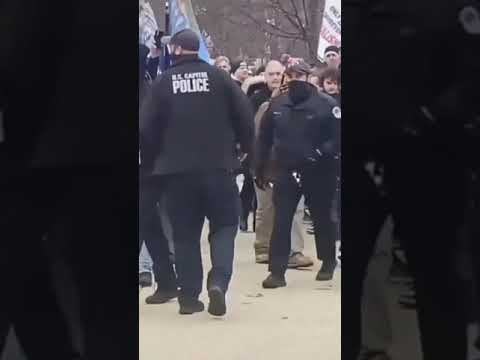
[{"x": 337, "y": 112}]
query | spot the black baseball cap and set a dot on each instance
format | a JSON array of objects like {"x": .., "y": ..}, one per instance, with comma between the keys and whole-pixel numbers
[
  {"x": 300, "y": 68},
  {"x": 187, "y": 39}
]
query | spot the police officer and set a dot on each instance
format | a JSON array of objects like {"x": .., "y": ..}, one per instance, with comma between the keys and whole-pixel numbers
[
  {"x": 193, "y": 120},
  {"x": 300, "y": 129}
]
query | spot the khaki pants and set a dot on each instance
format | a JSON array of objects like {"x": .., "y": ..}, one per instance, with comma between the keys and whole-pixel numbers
[{"x": 264, "y": 223}]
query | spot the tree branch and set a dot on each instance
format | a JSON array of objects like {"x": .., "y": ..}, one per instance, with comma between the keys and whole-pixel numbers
[
  {"x": 305, "y": 11},
  {"x": 287, "y": 14},
  {"x": 296, "y": 14},
  {"x": 270, "y": 28},
  {"x": 301, "y": 26}
]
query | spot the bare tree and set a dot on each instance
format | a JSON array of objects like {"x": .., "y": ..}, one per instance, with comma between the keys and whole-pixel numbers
[{"x": 261, "y": 28}]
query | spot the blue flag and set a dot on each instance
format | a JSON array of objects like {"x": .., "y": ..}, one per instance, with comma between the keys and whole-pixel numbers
[{"x": 182, "y": 17}]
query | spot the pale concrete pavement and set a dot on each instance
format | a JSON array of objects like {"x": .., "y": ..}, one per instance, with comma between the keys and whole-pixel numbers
[{"x": 300, "y": 321}]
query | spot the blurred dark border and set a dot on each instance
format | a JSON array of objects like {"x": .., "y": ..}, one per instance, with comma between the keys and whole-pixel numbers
[
  {"x": 86, "y": 51},
  {"x": 396, "y": 58}
]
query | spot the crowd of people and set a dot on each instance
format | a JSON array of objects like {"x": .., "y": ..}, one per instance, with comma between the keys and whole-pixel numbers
[{"x": 204, "y": 125}]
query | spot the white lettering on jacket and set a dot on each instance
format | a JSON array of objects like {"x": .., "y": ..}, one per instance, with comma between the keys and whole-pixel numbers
[{"x": 189, "y": 83}]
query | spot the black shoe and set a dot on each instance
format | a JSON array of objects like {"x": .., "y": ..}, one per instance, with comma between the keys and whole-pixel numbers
[
  {"x": 373, "y": 355},
  {"x": 188, "y": 307},
  {"x": 217, "y": 306},
  {"x": 145, "y": 279},
  {"x": 161, "y": 296},
  {"x": 274, "y": 281},
  {"x": 243, "y": 225},
  {"x": 324, "y": 275}
]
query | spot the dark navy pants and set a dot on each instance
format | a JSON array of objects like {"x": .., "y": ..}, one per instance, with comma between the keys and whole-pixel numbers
[
  {"x": 318, "y": 186},
  {"x": 190, "y": 198},
  {"x": 152, "y": 232}
]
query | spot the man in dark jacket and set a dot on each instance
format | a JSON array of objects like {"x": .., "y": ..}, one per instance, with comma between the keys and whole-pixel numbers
[
  {"x": 192, "y": 121},
  {"x": 262, "y": 87},
  {"x": 151, "y": 230},
  {"x": 300, "y": 131}
]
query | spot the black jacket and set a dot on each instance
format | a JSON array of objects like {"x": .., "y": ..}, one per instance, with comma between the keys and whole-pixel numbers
[
  {"x": 261, "y": 95},
  {"x": 193, "y": 119},
  {"x": 320, "y": 128}
]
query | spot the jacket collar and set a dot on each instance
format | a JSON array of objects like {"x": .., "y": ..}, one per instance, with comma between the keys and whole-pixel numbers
[{"x": 187, "y": 59}]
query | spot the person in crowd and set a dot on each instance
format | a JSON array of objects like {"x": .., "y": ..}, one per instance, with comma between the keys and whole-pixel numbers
[
  {"x": 154, "y": 254},
  {"x": 332, "y": 56},
  {"x": 265, "y": 84},
  {"x": 330, "y": 82},
  {"x": 143, "y": 83},
  {"x": 315, "y": 80},
  {"x": 304, "y": 146},
  {"x": 223, "y": 62},
  {"x": 240, "y": 72},
  {"x": 260, "y": 70},
  {"x": 317, "y": 70},
  {"x": 193, "y": 119},
  {"x": 254, "y": 83},
  {"x": 284, "y": 59},
  {"x": 145, "y": 262},
  {"x": 250, "y": 86}
]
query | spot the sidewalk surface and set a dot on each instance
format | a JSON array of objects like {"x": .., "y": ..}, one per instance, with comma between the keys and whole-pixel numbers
[{"x": 301, "y": 321}]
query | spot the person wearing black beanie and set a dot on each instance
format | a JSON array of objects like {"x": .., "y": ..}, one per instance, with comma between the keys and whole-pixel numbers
[{"x": 332, "y": 56}]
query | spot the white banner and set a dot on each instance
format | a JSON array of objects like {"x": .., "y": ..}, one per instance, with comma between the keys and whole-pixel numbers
[{"x": 331, "y": 30}]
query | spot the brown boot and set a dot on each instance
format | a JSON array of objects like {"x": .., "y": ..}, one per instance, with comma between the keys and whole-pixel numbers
[
  {"x": 261, "y": 258},
  {"x": 298, "y": 260}
]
